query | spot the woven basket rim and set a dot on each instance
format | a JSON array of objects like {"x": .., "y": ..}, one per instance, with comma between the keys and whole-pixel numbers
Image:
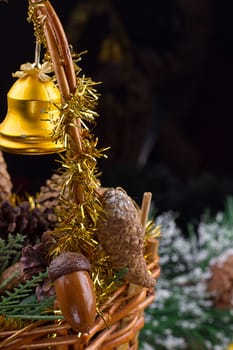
[{"x": 120, "y": 320}]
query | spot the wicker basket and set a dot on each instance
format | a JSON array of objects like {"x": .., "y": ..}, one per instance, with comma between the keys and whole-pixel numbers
[
  {"x": 116, "y": 329},
  {"x": 121, "y": 317}
]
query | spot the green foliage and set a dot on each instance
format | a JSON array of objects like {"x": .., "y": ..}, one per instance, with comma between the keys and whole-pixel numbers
[
  {"x": 228, "y": 212},
  {"x": 10, "y": 250},
  {"x": 183, "y": 316},
  {"x": 21, "y": 302}
]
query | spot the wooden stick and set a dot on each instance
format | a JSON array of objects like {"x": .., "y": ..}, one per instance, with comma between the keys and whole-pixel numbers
[
  {"x": 57, "y": 44},
  {"x": 152, "y": 248},
  {"x": 63, "y": 46},
  {"x": 102, "y": 337},
  {"x": 113, "y": 316},
  {"x": 145, "y": 208},
  {"x": 124, "y": 338}
]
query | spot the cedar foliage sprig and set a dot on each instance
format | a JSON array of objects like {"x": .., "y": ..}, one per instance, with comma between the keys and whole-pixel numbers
[
  {"x": 10, "y": 250},
  {"x": 21, "y": 302}
]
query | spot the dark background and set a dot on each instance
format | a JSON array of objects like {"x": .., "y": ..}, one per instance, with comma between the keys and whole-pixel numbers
[{"x": 173, "y": 134}]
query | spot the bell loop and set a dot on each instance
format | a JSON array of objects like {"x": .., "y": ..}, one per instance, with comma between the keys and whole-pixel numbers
[{"x": 37, "y": 54}]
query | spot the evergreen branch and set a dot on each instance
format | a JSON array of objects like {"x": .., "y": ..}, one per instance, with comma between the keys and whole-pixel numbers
[
  {"x": 22, "y": 291},
  {"x": 36, "y": 317},
  {"x": 34, "y": 310},
  {"x": 10, "y": 250},
  {"x": 21, "y": 302}
]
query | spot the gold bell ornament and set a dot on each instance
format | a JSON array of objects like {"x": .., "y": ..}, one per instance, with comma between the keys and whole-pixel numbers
[{"x": 34, "y": 104}]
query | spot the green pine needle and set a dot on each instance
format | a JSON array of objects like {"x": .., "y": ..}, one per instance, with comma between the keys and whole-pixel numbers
[
  {"x": 10, "y": 250},
  {"x": 21, "y": 302}
]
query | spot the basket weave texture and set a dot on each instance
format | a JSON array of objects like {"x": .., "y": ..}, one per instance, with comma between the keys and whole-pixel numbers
[{"x": 116, "y": 327}]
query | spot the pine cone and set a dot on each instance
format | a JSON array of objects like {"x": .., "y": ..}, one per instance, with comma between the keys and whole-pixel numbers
[
  {"x": 45, "y": 290},
  {"x": 34, "y": 260},
  {"x": 25, "y": 220},
  {"x": 220, "y": 283},
  {"x": 48, "y": 197},
  {"x": 121, "y": 235},
  {"x": 5, "y": 180}
]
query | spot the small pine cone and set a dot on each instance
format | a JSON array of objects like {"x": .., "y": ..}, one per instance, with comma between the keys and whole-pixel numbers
[
  {"x": 220, "y": 282},
  {"x": 45, "y": 290},
  {"x": 8, "y": 216},
  {"x": 25, "y": 220},
  {"x": 121, "y": 235},
  {"x": 48, "y": 197},
  {"x": 33, "y": 260},
  {"x": 5, "y": 180}
]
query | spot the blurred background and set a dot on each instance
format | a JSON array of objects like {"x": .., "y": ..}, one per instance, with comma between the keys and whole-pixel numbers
[
  {"x": 166, "y": 111},
  {"x": 166, "y": 99}
]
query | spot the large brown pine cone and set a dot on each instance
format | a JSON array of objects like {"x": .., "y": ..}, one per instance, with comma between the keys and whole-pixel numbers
[
  {"x": 5, "y": 180},
  {"x": 122, "y": 235}
]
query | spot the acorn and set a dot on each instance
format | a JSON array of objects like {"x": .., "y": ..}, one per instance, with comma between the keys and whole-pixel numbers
[
  {"x": 122, "y": 236},
  {"x": 74, "y": 290}
]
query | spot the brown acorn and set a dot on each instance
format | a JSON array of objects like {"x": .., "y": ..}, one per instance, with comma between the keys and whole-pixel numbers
[
  {"x": 121, "y": 235},
  {"x": 74, "y": 290}
]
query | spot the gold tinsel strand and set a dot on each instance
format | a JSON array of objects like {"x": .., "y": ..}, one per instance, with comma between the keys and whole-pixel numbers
[
  {"x": 77, "y": 222},
  {"x": 38, "y": 30},
  {"x": 9, "y": 323},
  {"x": 152, "y": 230},
  {"x": 80, "y": 106}
]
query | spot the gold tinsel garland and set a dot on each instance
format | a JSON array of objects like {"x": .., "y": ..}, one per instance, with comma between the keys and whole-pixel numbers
[
  {"x": 77, "y": 217},
  {"x": 76, "y": 226}
]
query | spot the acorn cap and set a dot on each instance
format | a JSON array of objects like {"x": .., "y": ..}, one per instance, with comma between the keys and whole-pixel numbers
[{"x": 68, "y": 262}]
